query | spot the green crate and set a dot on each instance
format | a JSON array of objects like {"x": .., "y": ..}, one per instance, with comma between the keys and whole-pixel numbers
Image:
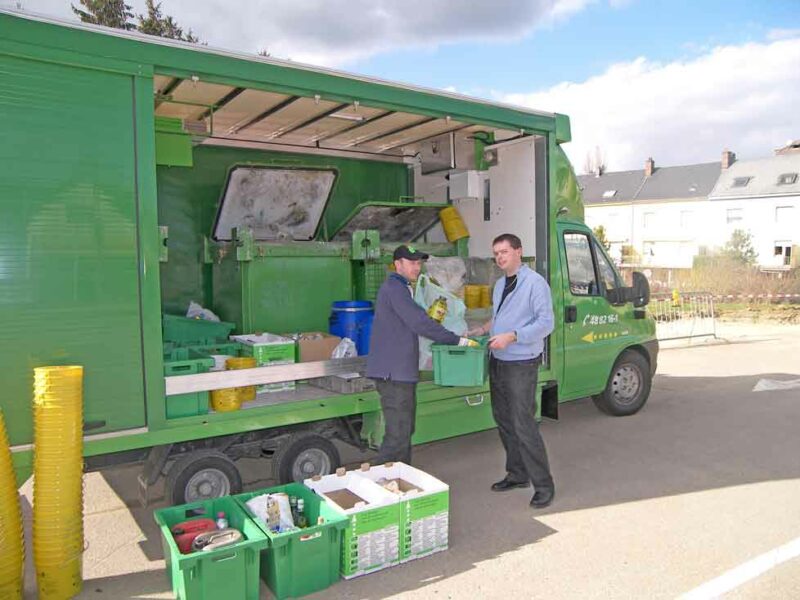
[
  {"x": 195, "y": 403},
  {"x": 185, "y": 331},
  {"x": 306, "y": 561},
  {"x": 230, "y": 572},
  {"x": 228, "y": 348},
  {"x": 460, "y": 365}
]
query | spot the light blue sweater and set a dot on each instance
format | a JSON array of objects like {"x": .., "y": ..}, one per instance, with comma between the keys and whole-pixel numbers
[{"x": 528, "y": 310}]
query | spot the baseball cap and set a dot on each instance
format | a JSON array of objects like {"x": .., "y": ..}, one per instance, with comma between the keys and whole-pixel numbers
[{"x": 409, "y": 252}]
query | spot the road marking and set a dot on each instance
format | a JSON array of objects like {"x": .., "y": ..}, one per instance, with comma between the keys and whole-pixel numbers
[{"x": 745, "y": 572}]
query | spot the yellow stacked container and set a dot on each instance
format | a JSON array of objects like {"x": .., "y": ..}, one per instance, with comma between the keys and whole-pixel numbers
[
  {"x": 485, "y": 296},
  {"x": 58, "y": 480},
  {"x": 246, "y": 393},
  {"x": 454, "y": 227},
  {"x": 472, "y": 296},
  {"x": 226, "y": 400},
  {"x": 11, "y": 544}
]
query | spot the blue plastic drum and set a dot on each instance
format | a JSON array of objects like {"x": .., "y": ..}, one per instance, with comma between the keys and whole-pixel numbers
[{"x": 352, "y": 319}]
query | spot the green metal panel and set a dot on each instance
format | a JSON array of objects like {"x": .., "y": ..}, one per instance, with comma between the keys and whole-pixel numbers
[
  {"x": 173, "y": 149},
  {"x": 188, "y": 200},
  {"x": 68, "y": 239}
]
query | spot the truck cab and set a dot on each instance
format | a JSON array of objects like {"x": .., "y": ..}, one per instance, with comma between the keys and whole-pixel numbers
[{"x": 164, "y": 173}]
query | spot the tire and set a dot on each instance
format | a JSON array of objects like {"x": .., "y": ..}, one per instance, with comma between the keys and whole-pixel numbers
[
  {"x": 628, "y": 386},
  {"x": 303, "y": 455},
  {"x": 201, "y": 475}
]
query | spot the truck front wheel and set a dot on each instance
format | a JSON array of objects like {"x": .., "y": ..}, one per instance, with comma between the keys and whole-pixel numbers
[
  {"x": 628, "y": 386},
  {"x": 201, "y": 475},
  {"x": 303, "y": 455}
]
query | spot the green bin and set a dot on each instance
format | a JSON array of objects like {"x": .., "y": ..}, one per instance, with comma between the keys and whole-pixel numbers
[
  {"x": 305, "y": 561},
  {"x": 229, "y": 572},
  {"x": 186, "y": 331},
  {"x": 195, "y": 403},
  {"x": 460, "y": 365}
]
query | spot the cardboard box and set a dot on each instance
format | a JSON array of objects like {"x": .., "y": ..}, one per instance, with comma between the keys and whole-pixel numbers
[
  {"x": 424, "y": 508},
  {"x": 269, "y": 349},
  {"x": 314, "y": 345},
  {"x": 371, "y": 540}
]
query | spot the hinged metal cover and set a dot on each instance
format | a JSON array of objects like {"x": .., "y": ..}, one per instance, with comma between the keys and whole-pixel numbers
[{"x": 395, "y": 221}]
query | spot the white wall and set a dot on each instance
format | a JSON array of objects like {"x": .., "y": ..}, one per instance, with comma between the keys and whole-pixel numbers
[{"x": 669, "y": 234}]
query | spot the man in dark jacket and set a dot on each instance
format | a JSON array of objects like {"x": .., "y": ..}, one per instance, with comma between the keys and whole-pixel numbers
[{"x": 393, "y": 360}]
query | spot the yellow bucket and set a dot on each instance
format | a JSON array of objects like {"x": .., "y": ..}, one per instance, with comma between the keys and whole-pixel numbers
[
  {"x": 11, "y": 543},
  {"x": 454, "y": 227},
  {"x": 58, "y": 480},
  {"x": 226, "y": 400},
  {"x": 486, "y": 296},
  {"x": 472, "y": 296},
  {"x": 246, "y": 393}
]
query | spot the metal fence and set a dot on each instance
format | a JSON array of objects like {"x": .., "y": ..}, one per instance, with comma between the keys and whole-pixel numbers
[{"x": 681, "y": 315}]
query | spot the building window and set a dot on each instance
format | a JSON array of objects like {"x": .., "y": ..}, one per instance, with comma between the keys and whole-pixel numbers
[
  {"x": 686, "y": 218},
  {"x": 609, "y": 193},
  {"x": 784, "y": 214},
  {"x": 649, "y": 219},
  {"x": 733, "y": 215},
  {"x": 783, "y": 252},
  {"x": 787, "y": 178},
  {"x": 740, "y": 182}
]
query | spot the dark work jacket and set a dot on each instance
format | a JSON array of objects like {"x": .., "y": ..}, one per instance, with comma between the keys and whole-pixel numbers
[{"x": 394, "y": 343}]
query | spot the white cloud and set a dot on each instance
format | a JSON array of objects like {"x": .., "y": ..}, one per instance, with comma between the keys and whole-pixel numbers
[
  {"x": 782, "y": 34},
  {"x": 338, "y": 32},
  {"x": 739, "y": 97}
]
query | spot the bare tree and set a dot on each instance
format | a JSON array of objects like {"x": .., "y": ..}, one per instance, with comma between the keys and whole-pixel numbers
[{"x": 595, "y": 162}]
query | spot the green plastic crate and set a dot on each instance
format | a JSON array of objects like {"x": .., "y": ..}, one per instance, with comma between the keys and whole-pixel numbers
[
  {"x": 229, "y": 348},
  {"x": 195, "y": 403},
  {"x": 460, "y": 365},
  {"x": 229, "y": 572},
  {"x": 186, "y": 331},
  {"x": 306, "y": 561}
]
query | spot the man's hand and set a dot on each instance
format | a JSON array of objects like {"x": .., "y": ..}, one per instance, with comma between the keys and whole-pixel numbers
[{"x": 502, "y": 340}]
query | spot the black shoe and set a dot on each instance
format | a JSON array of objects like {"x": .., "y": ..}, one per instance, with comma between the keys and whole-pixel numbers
[
  {"x": 543, "y": 498},
  {"x": 506, "y": 484}
]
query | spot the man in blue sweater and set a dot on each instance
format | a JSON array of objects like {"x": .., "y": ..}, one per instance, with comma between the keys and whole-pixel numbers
[
  {"x": 393, "y": 360},
  {"x": 522, "y": 319}
]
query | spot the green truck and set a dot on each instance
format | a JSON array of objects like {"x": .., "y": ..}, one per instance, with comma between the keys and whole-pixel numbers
[{"x": 140, "y": 174}]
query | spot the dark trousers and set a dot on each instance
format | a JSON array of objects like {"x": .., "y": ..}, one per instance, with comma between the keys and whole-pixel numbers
[
  {"x": 399, "y": 404},
  {"x": 513, "y": 387}
]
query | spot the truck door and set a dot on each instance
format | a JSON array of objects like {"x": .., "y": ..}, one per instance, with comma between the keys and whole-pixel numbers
[{"x": 593, "y": 328}]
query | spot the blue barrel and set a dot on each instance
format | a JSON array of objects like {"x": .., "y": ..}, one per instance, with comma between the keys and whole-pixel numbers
[{"x": 352, "y": 319}]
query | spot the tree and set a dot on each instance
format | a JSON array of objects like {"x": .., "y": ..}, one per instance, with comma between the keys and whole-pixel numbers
[
  {"x": 740, "y": 248},
  {"x": 600, "y": 235},
  {"x": 595, "y": 162},
  {"x": 154, "y": 23},
  {"x": 111, "y": 13}
]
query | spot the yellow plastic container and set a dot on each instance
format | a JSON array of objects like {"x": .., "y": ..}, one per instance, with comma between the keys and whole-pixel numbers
[
  {"x": 226, "y": 400},
  {"x": 246, "y": 393},
  {"x": 11, "y": 540},
  {"x": 486, "y": 296},
  {"x": 58, "y": 480},
  {"x": 472, "y": 296},
  {"x": 453, "y": 224}
]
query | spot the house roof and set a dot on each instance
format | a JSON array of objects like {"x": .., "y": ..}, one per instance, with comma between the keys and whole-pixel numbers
[
  {"x": 763, "y": 177},
  {"x": 666, "y": 183}
]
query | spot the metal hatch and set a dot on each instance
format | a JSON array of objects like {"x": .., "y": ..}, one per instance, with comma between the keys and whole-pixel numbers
[
  {"x": 396, "y": 221},
  {"x": 276, "y": 203}
]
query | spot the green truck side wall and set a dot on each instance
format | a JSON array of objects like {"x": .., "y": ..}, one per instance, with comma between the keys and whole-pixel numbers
[{"x": 68, "y": 239}]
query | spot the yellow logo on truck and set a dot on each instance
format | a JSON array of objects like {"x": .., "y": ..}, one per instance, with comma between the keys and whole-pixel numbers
[{"x": 591, "y": 337}]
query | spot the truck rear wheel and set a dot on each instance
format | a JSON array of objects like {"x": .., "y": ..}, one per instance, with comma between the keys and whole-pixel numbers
[
  {"x": 201, "y": 475},
  {"x": 303, "y": 455},
  {"x": 628, "y": 386}
]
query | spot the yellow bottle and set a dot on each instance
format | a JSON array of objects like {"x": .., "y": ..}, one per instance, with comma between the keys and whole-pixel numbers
[{"x": 438, "y": 310}]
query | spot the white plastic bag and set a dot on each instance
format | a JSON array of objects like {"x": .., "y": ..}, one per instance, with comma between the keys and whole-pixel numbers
[
  {"x": 345, "y": 349},
  {"x": 448, "y": 271},
  {"x": 426, "y": 294},
  {"x": 198, "y": 312}
]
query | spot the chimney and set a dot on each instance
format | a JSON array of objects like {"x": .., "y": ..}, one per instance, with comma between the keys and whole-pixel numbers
[
  {"x": 728, "y": 158},
  {"x": 649, "y": 167}
]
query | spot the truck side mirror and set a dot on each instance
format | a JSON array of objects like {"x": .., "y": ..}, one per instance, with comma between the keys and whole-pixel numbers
[
  {"x": 618, "y": 296},
  {"x": 640, "y": 290}
]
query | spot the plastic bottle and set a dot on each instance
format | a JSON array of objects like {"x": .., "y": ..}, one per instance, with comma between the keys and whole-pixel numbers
[
  {"x": 222, "y": 522},
  {"x": 302, "y": 520},
  {"x": 438, "y": 310}
]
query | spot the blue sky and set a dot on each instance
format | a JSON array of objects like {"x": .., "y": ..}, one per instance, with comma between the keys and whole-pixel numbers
[
  {"x": 585, "y": 44},
  {"x": 679, "y": 81}
]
